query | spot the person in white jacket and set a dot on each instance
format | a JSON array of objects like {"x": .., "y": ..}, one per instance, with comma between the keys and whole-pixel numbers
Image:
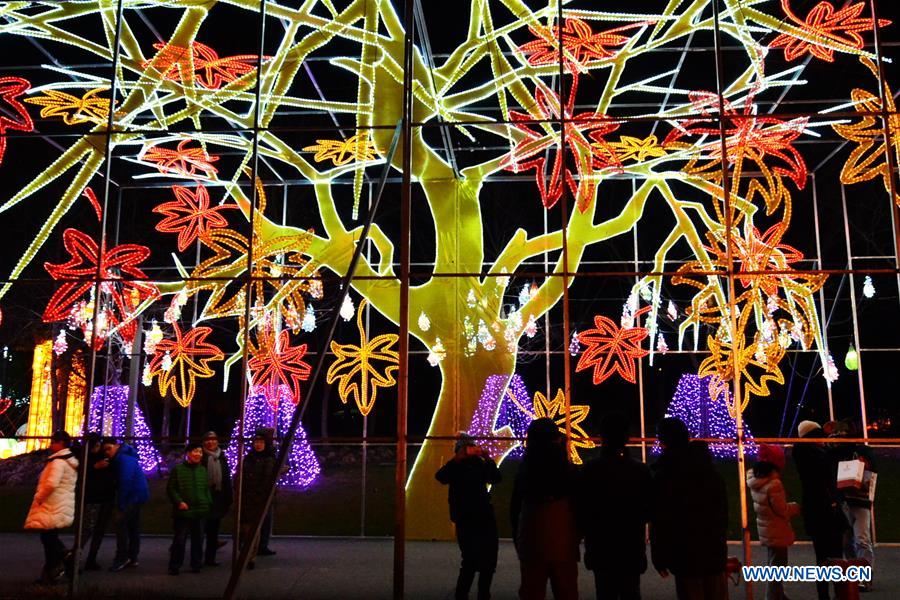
[{"x": 53, "y": 507}]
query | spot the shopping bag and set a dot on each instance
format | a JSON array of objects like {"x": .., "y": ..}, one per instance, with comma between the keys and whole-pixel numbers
[{"x": 850, "y": 474}]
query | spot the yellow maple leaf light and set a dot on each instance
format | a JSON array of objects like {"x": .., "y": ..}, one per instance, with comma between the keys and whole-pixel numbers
[
  {"x": 355, "y": 370},
  {"x": 73, "y": 110},
  {"x": 632, "y": 148},
  {"x": 555, "y": 410},
  {"x": 341, "y": 152}
]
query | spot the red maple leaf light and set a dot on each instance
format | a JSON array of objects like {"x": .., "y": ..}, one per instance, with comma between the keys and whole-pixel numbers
[
  {"x": 747, "y": 136},
  {"x": 611, "y": 349},
  {"x": 530, "y": 152},
  {"x": 119, "y": 271},
  {"x": 10, "y": 90},
  {"x": 276, "y": 362},
  {"x": 183, "y": 160},
  {"x": 580, "y": 44},
  {"x": 208, "y": 69},
  {"x": 828, "y": 26},
  {"x": 189, "y": 215},
  {"x": 5, "y": 403}
]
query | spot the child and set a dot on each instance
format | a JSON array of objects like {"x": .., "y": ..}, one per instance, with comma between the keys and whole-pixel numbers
[
  {"x": 773, "y": 511},
  {"x": 468, "y": 474},
  {"x": 188, "y": 490}
]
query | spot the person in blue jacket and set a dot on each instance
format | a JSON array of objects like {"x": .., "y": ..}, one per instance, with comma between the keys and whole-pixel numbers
[{"x": 131, "y": 493}]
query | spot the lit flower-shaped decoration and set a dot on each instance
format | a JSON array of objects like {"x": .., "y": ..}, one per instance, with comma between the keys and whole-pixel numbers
[
  {"x": 580, "y": 44},
  {"x": 274, "y": 362},
  {"x": 532, "y": 151},
  {"x": 356, "y": 366},
  {"x": 341, "y": 152},
  {"x": 829, "y": 28},
  {"x": 189, "y": 355},
  {"x": 10, "y": 90},
  {"x": 868, "y": 159},
  {"x": 73, "y": 110},
  {"x": 555, "y": 410},
  {"x": 611, "y": 349},
  {"x": 120, "y": 269},
  {"x": 182, "y": 161},
  {"x": 748, "y": 138},
  {"x": 201, "y": 64},
  {"x": 190, "y": 215}
]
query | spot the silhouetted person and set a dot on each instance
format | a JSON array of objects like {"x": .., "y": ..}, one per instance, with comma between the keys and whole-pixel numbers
[
  {"x": 543, "y": 516},
  {"x": 469, "y": 473},
  {"x": 188, "y": 491},
  {"x": 219, "y": 472},
  {"x": 131, "y": 494},
  {"x": 773, "y": 511},
  {"x": 689, "y": 517},
  {"x": 99, "y": 499},
  {"x": 822, "y": 516},
  {"x": 258, "y": 473},
  {"x": 265, "y": 531},
  {"x": 614, "y": 508},
  {"x": 53, "y": 507}
]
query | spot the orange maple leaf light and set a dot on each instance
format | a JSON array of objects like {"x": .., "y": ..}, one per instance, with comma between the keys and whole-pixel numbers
[
  {"x": 183, "y": 160},
  {"x": 611, "y": 349},
  {"x": 201, "y": 64},
  {"x": 274, "y": 362},
  {"x": 580, "y": 44},
  {"x": 189, "y": 355},
  {"x": 759, "y": 253},
  {"x": 531, "y": 152},
  {"x": 190, "y": 215},
  {"x": 828, "y": 27}
]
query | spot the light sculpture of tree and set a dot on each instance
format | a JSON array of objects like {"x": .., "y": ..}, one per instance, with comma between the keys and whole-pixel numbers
[{"x": 163, "y": 88}]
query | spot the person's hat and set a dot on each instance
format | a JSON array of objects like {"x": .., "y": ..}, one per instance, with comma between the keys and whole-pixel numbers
[
  {"x": 259, "y": 435},
  {"x": 192, "y": 444},
  {"x": 805, "y": 427},
  {"x": 771, "y": 454},
  {"x": 210, "y": 435}
]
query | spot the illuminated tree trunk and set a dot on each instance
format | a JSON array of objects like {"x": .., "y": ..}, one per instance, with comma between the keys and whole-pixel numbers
[{"x": 427, "y": 514}]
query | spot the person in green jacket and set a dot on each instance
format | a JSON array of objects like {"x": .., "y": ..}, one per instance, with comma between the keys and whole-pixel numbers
[{"x": 188, "y": 490}]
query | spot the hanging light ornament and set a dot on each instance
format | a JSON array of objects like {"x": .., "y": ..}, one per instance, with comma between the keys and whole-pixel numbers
[
  {"x": 575, "y": 344},
  {"x": 424, "y": 321},
  {"x": 771, "y": 304},
  {"x": 868, "y": 287},
  {"x": 646, "y": 293},
  {"x": 309, "y": 319},
  {"x": 166, "y": 362},
  {"x": 830, "y": 371},
  {"x": 315, "y": 289},
  {"x": 436, "y": 353},
  {"x": 147, "y": 376},
  {"x": 851, "y": 361},
  {"x": 347, "y": 310},
  {"x": 531, "y": 327},
  {"x": 661, "y": 346},
  {"x": 524, "y": 295},
  {"x": 470, "y": 299},
  {"x": 672, "y": 311},
  {"x": 152, "y": 337},
  {"x": 60, "y": 344}
]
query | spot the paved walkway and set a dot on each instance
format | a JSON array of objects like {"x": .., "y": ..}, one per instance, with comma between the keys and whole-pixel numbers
[{"x": 325, "y": 568}]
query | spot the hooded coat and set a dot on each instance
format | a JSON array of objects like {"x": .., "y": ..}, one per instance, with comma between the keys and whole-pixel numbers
[
  {"x": 773, "y": 511},
  {"x": 53, "y": 506},
  {"x": 131, "y": 483}
]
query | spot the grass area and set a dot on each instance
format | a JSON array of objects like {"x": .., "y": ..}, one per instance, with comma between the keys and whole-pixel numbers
[{"x": 333, "y": 506}]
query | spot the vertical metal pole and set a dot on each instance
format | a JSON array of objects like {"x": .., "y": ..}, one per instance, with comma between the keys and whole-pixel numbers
[
  {"x": 859, "y": 372},
  {"x": 821, "y": 289},
  {"x": 732, "y": 306},
  {"x": 134, "y": 377},
  {"x": 640, "y": 363},
  {"x": 403, "y": 347},
  {"x": 91, "y": 371}
]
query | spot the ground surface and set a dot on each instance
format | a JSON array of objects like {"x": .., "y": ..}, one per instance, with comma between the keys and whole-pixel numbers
[{"x": 325, "y": 568}]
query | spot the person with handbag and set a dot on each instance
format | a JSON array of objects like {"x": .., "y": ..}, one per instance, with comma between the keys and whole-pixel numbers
[{"x": 773, "y": 511}]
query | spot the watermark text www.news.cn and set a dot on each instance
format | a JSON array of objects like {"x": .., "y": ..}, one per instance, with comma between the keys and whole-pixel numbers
[{"x": 807, "y": 573}]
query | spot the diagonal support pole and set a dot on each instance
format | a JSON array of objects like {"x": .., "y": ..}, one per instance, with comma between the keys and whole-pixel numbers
[{"x": 283, "y": 452}]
